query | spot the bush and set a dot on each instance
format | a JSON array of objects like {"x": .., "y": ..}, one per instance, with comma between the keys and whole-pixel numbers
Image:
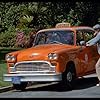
[
  {"x": 20, "y": 39},
  {"x": 8, "y": 37}
]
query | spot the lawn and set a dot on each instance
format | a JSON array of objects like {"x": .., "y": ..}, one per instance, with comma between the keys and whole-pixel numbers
[
  {"x": 3, "y": 70},
  {"x": 3, "y": 66}
]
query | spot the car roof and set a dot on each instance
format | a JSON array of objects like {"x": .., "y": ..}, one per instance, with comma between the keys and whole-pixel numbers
[
  {"x": 74, "y": 28},
  {"x": 83, "y": 28}
]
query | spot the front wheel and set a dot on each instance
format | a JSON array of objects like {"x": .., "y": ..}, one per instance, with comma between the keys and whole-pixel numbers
[
  {"x": 69, "y": 76},
  {"x": 21, "y": 86}
]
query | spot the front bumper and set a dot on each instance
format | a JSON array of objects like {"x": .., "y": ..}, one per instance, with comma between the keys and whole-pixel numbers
[{"x": 34, "y": 77}]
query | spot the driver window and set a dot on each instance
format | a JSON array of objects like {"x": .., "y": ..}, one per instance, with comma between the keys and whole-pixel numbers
[
  {"x": 88, "y": 35},
  {"x": 84, "y": 36}
]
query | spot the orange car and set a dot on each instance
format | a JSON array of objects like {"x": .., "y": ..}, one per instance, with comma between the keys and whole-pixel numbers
[{"x": 58, "y": 55}]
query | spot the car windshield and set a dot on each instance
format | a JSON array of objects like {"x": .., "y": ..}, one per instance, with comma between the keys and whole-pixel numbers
[{"x": 51, "y": 37}]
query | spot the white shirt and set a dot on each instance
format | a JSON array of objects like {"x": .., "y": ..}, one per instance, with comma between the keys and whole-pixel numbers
[{"x": 95, "y": 40}]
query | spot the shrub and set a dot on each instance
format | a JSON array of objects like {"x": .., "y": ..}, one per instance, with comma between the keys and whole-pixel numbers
[
  {"x": 20, "y": 39},
  {"x": 7, "y": 39}
]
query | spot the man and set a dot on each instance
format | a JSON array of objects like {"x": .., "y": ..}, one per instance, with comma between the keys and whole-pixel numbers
[{"x": 96, "y": 40}]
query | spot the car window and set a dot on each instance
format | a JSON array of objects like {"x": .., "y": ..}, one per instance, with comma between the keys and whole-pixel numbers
[{"x": 84, "y": 35}]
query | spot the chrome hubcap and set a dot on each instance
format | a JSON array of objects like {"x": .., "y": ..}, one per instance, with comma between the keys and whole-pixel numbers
[{"x": 69, "y": 76}]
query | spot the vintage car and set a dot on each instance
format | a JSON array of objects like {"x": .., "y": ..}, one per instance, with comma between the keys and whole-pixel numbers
[{"x": 58, "y": 54}]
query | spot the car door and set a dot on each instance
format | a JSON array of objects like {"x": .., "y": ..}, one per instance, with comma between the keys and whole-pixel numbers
[{"x": 88, "y": 55}]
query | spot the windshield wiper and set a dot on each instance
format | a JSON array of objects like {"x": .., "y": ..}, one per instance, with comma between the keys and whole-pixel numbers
[{"x": 55, "y": 42}]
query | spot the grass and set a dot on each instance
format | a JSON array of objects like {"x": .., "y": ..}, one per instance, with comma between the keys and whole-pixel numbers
[
  {"x": 3, "y": 70},
  {"x": 3, "y": 66}
]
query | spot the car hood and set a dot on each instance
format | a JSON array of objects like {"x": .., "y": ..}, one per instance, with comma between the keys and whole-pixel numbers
[{"x": 40, "y": 52}]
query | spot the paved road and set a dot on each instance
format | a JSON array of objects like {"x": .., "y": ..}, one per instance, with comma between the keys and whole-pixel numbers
[{"x": 85, "y": 88}]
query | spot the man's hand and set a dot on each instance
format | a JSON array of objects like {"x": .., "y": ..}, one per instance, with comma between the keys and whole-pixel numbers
[{"x": 87, "y": 44}]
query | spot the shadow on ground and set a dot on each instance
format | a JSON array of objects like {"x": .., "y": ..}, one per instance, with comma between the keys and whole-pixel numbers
[{"x": 80, "y": 84}]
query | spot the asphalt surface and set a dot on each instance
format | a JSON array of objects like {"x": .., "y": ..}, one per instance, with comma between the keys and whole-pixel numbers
[{"x": 85, "y": 88}]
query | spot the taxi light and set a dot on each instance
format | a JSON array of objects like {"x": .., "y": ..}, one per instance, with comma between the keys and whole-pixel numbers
[{"x": 62, "y": 25}]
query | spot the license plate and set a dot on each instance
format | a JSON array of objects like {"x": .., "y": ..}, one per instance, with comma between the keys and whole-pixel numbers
[{"x": 16, "y": 80}]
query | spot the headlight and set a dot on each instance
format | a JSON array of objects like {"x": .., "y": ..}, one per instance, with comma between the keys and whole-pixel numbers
[
  {"x": 10, "y": 58},
  {"x": 52, "y": 56}
]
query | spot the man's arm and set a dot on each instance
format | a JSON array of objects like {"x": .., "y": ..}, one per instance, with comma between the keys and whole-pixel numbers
[{"x": 94, "y": 40}]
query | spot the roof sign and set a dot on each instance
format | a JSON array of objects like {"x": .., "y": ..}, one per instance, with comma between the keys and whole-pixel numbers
[{"x": 62, "y": 25}]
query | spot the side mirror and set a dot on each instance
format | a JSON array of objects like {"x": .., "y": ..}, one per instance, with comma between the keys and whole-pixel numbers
[{"x": 82, "y": 43}]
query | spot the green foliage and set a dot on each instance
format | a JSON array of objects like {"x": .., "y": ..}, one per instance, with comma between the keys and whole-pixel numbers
[
  {"x": 28, "y": 16},
  {"x": 7, "y": 38},
  {"x": 84, "y": 13},
  {"x": 73, "y": 18}
]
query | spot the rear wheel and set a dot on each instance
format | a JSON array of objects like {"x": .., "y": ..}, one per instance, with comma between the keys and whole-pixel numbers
[
  {"x": 69, "y": 76},
  {"x": 21, "y": 86}
]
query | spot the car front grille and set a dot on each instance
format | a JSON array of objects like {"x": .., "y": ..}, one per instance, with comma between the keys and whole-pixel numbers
[{"x": 32, "y": 66}]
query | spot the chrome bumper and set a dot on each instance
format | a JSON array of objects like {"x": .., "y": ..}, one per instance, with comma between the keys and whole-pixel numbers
[{"x": 34, "y": 77}]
